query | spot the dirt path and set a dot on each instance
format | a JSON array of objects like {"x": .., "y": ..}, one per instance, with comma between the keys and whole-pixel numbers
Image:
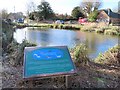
[{"x": 88, "y": 76}]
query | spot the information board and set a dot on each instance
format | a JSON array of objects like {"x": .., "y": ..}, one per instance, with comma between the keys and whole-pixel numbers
[{"x": 47, "y": 61}]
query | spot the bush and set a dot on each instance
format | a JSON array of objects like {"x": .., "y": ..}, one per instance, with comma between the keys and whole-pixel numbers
[
  {"x": 67, "y": 27},
  {"x": 111, "y": 32},
  {"x": 16, "y": 52},
  {"x": 93, "y": 16},
  {"x": 100, "y": 30},
  {"x": 55, "y": 26},
  {"x": 50, "y": 26},
  {"x": 110, "y": 57},
  {"x": 60, "y": 26},
  {"x": 7, "y": 34},
  {"x": 80, "y": 54},
  {"x": 91, "y": 19}
]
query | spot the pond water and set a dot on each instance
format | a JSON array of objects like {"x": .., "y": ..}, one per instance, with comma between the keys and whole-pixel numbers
[{"x": 96, "y": 43}]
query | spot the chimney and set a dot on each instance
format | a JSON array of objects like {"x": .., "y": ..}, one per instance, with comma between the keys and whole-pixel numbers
[{"x": 109, "y": 10}]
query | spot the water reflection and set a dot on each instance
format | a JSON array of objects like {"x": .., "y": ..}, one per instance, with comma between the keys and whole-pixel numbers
[{"x": 96, "y": 43}]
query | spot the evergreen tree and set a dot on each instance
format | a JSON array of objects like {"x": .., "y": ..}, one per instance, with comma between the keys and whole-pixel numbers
[{"x": 45, "y": 11}]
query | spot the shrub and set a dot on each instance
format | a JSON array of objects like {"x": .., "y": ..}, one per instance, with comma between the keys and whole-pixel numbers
[
  {"x": 93, "y": 16},
  {"x": 60, "y": 26},
  {"x": 80, "y": 54},
  {"x": 16, "y": 52},
  {"x": 111, "y": 32},
  {"x": 110, "y": 57},
  {"x": 67, "y": 27},
  {"x": 100, "y": 30},
  {"x": 55, "y": 26},
  {"x": 7, "y": 34}
]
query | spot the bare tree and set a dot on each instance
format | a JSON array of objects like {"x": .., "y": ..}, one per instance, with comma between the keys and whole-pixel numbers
[
  {"x": 119, "y": 7},
  {"x": 90, "y": 5},
  {"x": 3, "y": 14},
  {"x": 31, "y": 7}
]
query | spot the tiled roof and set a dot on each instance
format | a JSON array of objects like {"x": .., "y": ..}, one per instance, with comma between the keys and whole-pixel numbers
[{"x": 111, "y": 14}]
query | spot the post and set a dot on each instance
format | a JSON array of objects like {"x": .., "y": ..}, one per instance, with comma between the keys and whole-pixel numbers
[
  {"x": 30, "y": 83},
  {"x": 25, "y": 34},
  {"x": 66, "y": 81}
]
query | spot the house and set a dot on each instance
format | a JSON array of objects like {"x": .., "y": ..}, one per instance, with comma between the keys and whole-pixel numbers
[{"x": 107, "y": 16}]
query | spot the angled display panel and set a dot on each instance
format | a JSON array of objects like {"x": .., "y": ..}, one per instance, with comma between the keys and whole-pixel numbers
[{"x": 47, "y": 61}]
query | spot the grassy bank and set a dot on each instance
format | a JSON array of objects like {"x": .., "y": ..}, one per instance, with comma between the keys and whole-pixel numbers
[
  {"x": 101, "y": 28},
  {"x": 55, "y": 26},
  {"x": 110, "y": 57}
]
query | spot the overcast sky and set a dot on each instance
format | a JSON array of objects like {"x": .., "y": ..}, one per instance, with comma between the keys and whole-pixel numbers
[{"x": 59, "y": 6}]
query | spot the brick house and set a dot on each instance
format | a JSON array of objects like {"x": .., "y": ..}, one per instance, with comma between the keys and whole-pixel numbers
[{"x": 108, "y": 16}]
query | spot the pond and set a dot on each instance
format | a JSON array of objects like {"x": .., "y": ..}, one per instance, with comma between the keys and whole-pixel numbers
[{"x": 96, "y": 43}]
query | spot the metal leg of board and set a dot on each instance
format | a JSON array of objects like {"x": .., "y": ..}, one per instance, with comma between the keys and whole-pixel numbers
[
  {"x": 66, "y": 81},
  {"x": 31, "y": 83}
]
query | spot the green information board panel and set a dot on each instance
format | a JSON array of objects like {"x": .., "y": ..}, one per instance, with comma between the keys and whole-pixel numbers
[{"x": 47, "y": 61}]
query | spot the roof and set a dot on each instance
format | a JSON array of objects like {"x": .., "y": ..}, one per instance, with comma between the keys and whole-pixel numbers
[{"x": 111, "y": 14}]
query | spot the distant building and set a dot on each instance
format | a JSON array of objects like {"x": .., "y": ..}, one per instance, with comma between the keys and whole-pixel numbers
[
  {"x": 106, "y": 15},
  {"x": 16, "y": 16}
]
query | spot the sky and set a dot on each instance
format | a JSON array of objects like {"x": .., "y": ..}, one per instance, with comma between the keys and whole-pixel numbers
[{"x": 58, "y": 6}]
